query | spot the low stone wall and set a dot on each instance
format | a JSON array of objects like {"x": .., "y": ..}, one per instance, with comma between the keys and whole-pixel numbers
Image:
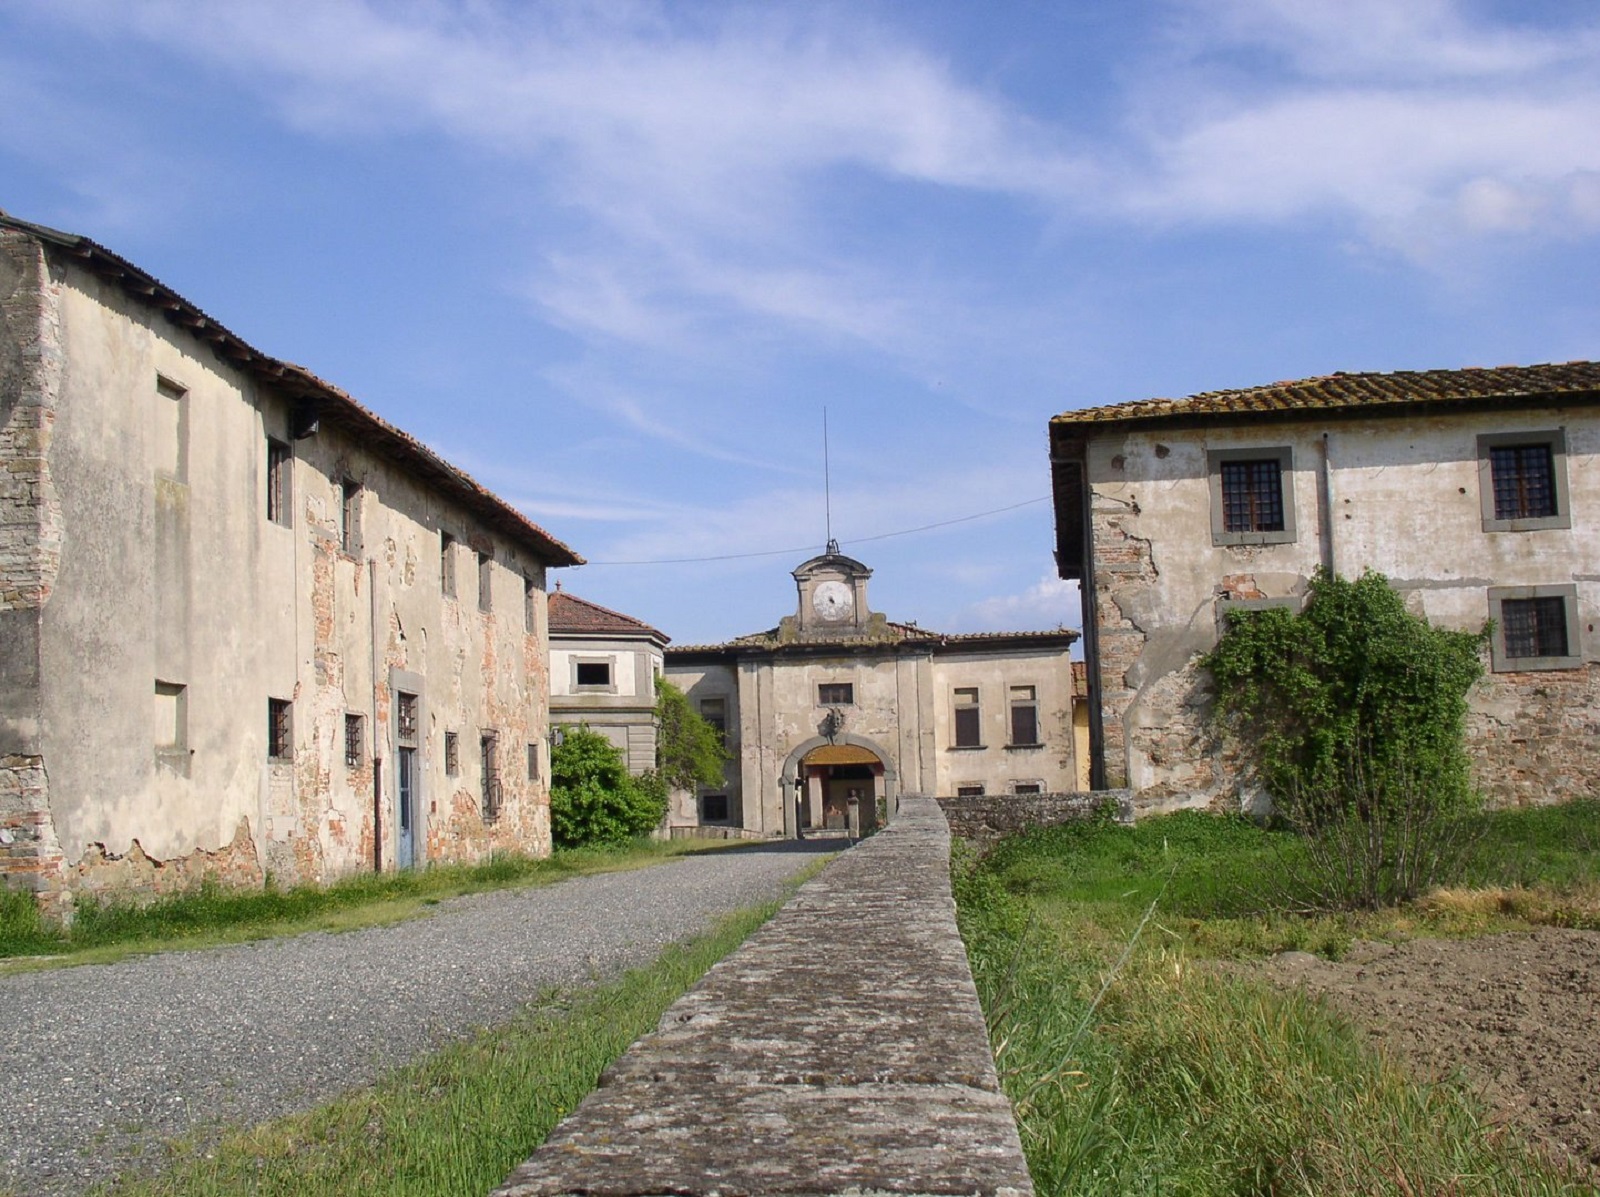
[
  {"x": 991, "y": 817},
  {"x": 840, "y": 1050}
]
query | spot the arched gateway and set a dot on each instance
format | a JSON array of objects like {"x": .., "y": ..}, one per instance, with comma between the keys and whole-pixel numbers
[{"x": 820, "y": 776}]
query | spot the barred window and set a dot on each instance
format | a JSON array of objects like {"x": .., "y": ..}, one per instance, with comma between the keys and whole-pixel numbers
[
  {"x": 715, "y": 712},
  {"x": 406, "y": 718},
  {"x": 350, "y": 516},
  {"x": 488, "y": 746},
  {"x": 1535, "y": 627},
  {"x": 533, "y": 762},
  {"x": 280, "y": 741},
  {"x": 1252, "y": 496},
  {"x": 836, "y": 694},
  {"x": 452, "y": 754},
  {"x": 713, "y": 808},
  {"x": 353, "y": 741},
  {"x": 972, "y": 791},
  {"x": 1524, "y": 481}
]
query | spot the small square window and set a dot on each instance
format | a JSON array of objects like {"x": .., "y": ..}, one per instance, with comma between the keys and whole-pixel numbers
[
  {"x": 354, "y": 741},
  {"x": 970, "y": 791},
  {"x": 452, "y": 754},
  {"x": 713, "y": 808},
  {"x": 485, "y": 582},
  {"x": 1536, "y": 628},
  {"x": 280, "y": 729},
  {"x": 1252, "y": 496},
  {"x": 447, "y": 565},
  {"x": 1522, "y": 481},
  {"x": 969, "y": 718},
  {"x": 279, "y": 475},
  {"x": 836, "y": 694},
  {"x": 592, "y": 675}
]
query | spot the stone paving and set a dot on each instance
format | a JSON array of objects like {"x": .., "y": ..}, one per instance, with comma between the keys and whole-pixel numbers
[{"x": 840, "y": 1050}]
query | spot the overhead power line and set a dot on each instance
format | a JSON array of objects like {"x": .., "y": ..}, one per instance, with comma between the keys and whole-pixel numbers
[{"x": 805, "y": 548}]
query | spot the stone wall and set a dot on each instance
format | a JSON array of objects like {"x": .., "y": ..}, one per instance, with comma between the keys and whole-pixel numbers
[
  {"x": 991, "y": 817},
  {"x": 840, "y": 1050}
]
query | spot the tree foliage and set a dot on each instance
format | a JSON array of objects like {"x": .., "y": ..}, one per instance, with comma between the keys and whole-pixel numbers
[
  {"x": 593, "y": 799},
  {"x": 689, "y": 750},
  {"x": 1352, "y": 714}
]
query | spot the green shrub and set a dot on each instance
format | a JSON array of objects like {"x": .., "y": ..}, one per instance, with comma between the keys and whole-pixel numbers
[
  {"x": 593, "y": 799},
  {"x": 1352, "y": 715}
]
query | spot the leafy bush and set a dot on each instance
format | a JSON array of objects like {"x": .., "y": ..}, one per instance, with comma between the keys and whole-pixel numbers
[
  {"x": 593, "y": 799},
  {"x": 1352, "y": 715}
]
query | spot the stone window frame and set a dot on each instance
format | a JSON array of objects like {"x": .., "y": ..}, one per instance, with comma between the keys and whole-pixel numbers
[
  {"x": 1028, "y": 788},
  {"x": 491, "y": 784},
  {"x": 533, "y": 762},
  {"x": 452, "y": 754},
  {"x": 1284, "y": 455},
  {"x": 485, "y": 581},
  {"x": 174, "y": 753},
  {"x": 843, "y": 694},
  {"x": 972, "y": 789},
  {"x": 1501, "y": 663},
  {"x": 609, "y": 686},
  {"x": 1556, "y": 440}
]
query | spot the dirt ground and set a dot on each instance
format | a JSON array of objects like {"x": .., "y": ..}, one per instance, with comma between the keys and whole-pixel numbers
[{"x": 1518, "y": 1014}]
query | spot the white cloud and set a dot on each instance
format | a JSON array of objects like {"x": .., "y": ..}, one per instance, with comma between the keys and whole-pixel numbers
[{"x": 1049, "y": 603}]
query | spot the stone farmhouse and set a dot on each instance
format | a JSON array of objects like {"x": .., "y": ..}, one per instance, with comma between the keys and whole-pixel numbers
[
  {"x": 1477, "y": 492},
  {"x": 246, "y": 626},
  {"x": 839, "y": 703},
  {"x": 603, "y": 670}
]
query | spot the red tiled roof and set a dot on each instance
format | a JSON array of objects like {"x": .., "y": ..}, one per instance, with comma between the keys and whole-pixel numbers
[
  {"x": 324, "y": 400},
  {"x": 1401, "y": 388},
  {"x": 899, "y": 633},
  {"x": 572, "y": 615}
]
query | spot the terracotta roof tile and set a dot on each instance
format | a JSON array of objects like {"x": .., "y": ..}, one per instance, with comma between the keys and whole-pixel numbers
[
  {"x": 1400, "y": 388},
  {"x": 572, "y": 615}
]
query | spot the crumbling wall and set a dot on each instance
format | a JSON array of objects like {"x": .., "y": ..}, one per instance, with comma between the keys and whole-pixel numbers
[
  {"x": 30, "y": 556},
  {"x": 1534, "y": 737}
]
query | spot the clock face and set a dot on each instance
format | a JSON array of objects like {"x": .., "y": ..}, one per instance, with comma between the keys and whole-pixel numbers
[{"x": 832, "y": 600}]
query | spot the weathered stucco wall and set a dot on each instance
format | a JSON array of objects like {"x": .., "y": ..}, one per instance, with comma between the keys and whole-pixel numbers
[
  {"x": 1401, "y": 496},
  {"x": 624, "y": 710},
  {"x": 158, "y": 609}
]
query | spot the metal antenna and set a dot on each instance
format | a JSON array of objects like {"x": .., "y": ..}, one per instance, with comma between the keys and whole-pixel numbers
[{"x": 827, "y": 486}]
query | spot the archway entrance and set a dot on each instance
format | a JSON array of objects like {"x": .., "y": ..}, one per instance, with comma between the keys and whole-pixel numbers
[{"x": 833, "y": 774}]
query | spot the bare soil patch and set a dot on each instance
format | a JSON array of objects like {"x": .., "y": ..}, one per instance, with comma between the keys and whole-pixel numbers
[{"x": 1518, "y": 1014}]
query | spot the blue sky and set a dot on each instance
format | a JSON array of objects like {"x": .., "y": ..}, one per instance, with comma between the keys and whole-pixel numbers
[{"x": 615, "y": 258}]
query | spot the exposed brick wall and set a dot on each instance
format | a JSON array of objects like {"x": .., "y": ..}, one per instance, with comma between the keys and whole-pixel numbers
[
  {"x": 30, "y": 556},
  {"x": 134, "y": 876},
  {"x": 1535, "y": 737},
  {"x": 991, "y": 817}
]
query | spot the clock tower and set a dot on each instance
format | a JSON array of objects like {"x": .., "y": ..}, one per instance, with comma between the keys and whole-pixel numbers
[{"x": 833, "y": 596}]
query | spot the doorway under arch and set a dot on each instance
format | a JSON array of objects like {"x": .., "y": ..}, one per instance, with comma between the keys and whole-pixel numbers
[{"x": 823, "y": 775}]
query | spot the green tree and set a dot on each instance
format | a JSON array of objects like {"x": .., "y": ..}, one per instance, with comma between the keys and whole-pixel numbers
[
  {"x": 689, "y": 751},
  {"x": 1352, "y": 714},
  {"x": 593, "y": 800}
]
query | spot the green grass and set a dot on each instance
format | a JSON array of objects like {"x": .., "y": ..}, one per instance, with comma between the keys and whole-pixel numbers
[
  {"x": 459, "y": 1121},
  {"x": 1136, "y": 1066},
  {"x": 107, "y": 930}
]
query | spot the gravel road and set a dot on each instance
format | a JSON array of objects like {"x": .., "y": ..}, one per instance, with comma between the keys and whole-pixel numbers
[{"x": 101, "y": 1062}]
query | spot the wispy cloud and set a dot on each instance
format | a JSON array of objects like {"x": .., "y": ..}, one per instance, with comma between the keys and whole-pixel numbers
[{"x": 1049, "y": 602}]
